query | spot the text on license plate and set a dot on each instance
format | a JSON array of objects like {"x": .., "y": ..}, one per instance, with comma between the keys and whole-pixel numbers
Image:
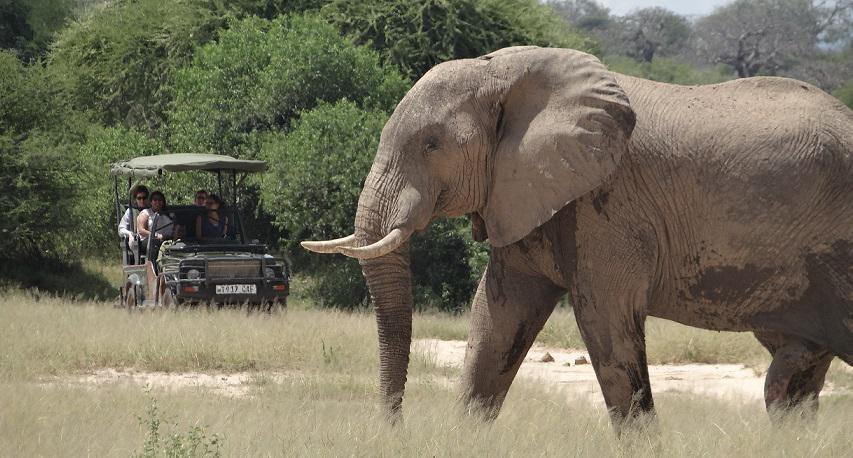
[{"x": 236, "y": 289}]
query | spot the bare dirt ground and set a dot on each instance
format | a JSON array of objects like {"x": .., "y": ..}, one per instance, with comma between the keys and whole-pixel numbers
[{"x": 569, "y": 369}]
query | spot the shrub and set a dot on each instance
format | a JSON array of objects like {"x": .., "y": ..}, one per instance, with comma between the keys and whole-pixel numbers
[
  {"x": 261, "y": 74},
  {"x": 416, "y": 35},
  {"x": 36, "y": 170},
  {"x": 117, "y": 60},
  {"x": 312, "y": 188},
  {"x": 845, "y": 93},
  {"x": 668, "y": 70}
]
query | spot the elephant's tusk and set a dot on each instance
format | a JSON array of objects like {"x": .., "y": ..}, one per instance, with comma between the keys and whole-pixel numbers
[
  {"x": 388, "y": 244},
  {"x": 328, "y": 246}
]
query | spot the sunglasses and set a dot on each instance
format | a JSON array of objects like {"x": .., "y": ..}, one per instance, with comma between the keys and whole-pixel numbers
[{"x": 141, "y": 197}]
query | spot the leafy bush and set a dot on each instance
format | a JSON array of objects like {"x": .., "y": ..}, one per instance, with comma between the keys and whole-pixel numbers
[
  {"x": 316, "y": 174},
  {"x": 317, "y": 170},
  {"x": 668, "y": 70},
  {"x": 117, "y": 60},
  {"x": 416, "y": 35},
  {"x": 446, "y": 266},
  {"x": 261, "y": 73},
  {"x": 36, "y": 174},
  {"x": 195, "y": 442},
  {"x": 845, "y": 93}
]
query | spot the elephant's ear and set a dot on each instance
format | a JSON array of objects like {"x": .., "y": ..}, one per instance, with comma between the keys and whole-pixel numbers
[{"x": 563, "y": 127}]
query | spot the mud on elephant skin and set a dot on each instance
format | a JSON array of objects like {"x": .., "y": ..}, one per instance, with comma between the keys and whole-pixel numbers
[{"x": 726, "y": 207}]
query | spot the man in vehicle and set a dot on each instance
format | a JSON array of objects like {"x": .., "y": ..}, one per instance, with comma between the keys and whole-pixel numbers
[
  {"x": 126, "y": 230},
  {"x": 200, "y": 197}
]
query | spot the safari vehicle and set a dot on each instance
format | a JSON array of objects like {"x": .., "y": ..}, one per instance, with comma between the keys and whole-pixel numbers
[{"x": 189, "y": 269}]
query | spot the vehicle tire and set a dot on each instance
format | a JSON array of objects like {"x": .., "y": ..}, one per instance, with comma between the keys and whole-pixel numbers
[
  {"x": 167, "y": 299},
  {"x": 131, "y": 297},
  {"x": 274, "y": 307},
  {"x": 165, "y": 295}
]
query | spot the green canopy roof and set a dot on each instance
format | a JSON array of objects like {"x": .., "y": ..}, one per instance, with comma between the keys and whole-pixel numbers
[{"x": 153, "y": 165}]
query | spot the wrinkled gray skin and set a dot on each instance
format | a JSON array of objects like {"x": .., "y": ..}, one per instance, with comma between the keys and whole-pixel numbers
[{"x": 725, "y": 207}]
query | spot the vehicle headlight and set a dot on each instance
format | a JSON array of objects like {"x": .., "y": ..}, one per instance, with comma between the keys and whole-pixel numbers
[
  {"x": 269, "y": 272},
  {"x": 193, "y": 274},
  {"x": 134, "y": 279}
]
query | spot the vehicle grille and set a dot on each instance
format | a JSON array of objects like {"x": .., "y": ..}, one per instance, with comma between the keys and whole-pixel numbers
[{"x": 248, "y": 268}]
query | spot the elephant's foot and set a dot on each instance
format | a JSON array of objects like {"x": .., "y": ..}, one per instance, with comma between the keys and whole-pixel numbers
[
  {"x": 795, "y": 377},
  {"x": 484, "y": 408}
]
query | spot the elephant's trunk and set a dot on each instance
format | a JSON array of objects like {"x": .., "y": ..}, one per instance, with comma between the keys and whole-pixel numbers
[
  {"x": 390, "y": 283},
  {"x": 389, "y": 210},
  {"x": 391, "y": 207}
]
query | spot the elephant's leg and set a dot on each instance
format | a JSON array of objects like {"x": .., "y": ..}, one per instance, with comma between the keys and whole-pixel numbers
[
  {"x": 612, "y": 324},
  {"x": 508, "y": 312},
  {"x": 796, "y": 374}
]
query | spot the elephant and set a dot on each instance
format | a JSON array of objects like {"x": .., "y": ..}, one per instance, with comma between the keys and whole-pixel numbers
[{"x": 726, "y": 207}]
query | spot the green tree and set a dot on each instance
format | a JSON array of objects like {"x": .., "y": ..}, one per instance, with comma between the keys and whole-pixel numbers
[
  {"x": 36, "y": 146},
  {"x": 117, "y": 60},
  {"x": 15, "y": 30},
  {"x": 845, "y": 93},
  {"x": 260, "y": 74},
  {"x": 316, "y": 174},
  {"x": 416, "y": 35},
  {"x": 650, "y": 32},
  {"x": 668, "y": 70}
]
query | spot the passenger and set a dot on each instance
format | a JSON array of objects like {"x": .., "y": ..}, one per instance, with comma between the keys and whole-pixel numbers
[
  {"x": 146, "y": 217},
  {"x": 200, "y": 197},
  {"x": 211, "y": 225},
  {"x": 140, "y": 202}
]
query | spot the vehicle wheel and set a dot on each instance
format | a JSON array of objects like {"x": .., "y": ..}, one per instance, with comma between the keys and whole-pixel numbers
[
  {"x": 165, "y": 295},
  {"x": 275, "y": 307},
  {"x": 167, "y": 298},
  {"x": 131, "y": 297}
]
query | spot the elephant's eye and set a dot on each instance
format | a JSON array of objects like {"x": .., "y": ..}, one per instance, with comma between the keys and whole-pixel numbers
[{"x": 431, "y": 145}]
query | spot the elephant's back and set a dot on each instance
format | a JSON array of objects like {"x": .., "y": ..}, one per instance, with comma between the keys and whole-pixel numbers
[
  {"x": 748, "y": 186},
  {"x": 775, "y": 141}
]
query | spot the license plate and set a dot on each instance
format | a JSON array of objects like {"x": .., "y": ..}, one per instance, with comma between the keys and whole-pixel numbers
[{"x": 236, "y": 289}]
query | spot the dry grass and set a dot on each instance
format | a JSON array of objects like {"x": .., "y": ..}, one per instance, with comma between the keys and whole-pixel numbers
[
  {"x": 327, "y": 408},
  {"x": 337, "y": 417}
]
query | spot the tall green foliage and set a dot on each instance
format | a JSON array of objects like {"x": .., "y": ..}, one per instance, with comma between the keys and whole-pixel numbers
[
  {"x": 845, "y": 93},
  {"x": 117, "y": 60},
  {"x": 36, "y": 168},
  {"x": 260, "y": 74},
  {"x": 415, "y": 35},
  {"x": 668, "y": 70},
  {"x": 316, "y": 175}
]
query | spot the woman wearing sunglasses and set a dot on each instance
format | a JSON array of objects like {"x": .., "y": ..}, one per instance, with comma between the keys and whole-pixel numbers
[
  {"x": 157, "y": 211},
  {"x": 139, "y": 194}
]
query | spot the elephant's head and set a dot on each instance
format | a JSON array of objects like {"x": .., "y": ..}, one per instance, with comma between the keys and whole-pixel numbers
[{"x": 510, "y": 137}]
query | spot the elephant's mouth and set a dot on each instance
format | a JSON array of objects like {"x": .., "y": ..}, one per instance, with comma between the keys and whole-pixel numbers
[{"x": 345, "y": 245}]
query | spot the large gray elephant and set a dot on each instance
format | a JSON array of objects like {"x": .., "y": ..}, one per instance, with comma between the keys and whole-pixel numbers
[{"x": 725, "y": 207}]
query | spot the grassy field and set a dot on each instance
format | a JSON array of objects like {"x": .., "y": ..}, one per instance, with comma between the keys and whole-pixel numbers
[{"x": 322, "y": 402}]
